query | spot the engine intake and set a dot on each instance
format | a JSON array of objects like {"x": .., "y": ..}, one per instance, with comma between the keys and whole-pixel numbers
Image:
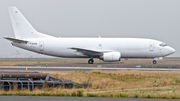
[{"x": 111, "y": 56}]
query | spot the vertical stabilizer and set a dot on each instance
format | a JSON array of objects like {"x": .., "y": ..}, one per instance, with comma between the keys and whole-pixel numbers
[{"x": 22, "y": 28}]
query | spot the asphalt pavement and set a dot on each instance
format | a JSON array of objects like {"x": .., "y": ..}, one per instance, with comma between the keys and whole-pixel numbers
[{"x": 85, "y": 69}]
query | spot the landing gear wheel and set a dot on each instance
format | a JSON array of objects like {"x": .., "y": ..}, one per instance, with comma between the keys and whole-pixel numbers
[
  {"x": 90, "y": 61},
  {"x": 154, "y": 62}
]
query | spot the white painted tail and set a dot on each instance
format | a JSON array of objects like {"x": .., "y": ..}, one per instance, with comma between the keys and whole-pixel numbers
[{"x": 22, "y": 28}]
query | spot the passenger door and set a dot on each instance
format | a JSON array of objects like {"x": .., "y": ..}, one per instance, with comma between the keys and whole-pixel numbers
[{"x": 151, "y": 46}]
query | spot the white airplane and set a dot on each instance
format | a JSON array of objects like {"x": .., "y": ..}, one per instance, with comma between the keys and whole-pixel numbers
[{"x": 106, "y": 49}]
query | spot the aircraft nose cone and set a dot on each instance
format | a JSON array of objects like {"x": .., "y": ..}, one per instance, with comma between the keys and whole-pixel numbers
[{"x": 172, "y": 50}]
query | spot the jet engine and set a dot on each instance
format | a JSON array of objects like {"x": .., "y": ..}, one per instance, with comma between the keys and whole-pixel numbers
[{"x": 111, "y": 56}]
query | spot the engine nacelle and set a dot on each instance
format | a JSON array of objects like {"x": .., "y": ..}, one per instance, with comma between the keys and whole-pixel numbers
[{"x": 111, "y": 56}]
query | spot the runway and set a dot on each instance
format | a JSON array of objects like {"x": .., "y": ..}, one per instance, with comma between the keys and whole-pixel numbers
[
  {"x": 110, "y": 65},
  {"x": 47, "y": 98},
  {"x": 85, "y": 69}
]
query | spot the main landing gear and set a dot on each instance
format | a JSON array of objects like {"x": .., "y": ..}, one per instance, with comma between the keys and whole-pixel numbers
[
  {"x": 154, "y": 62},
  {"x": 91, "y": 61}
]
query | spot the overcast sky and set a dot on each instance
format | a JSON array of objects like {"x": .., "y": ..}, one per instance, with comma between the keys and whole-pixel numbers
[{"x": 154, "y": 19}]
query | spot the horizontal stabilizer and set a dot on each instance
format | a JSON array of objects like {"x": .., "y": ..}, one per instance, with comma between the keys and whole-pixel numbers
[{"x": 15, "y": 40}]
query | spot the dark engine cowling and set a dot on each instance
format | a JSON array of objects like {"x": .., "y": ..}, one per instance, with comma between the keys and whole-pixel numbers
[{"x": 111, "y": 56}]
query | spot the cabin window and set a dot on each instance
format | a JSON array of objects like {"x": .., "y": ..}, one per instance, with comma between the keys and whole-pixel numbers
[{"x": 162, "y": 44}]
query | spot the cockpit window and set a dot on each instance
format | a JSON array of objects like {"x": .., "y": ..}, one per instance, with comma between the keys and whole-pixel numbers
[{"x": 163, "y": 44}]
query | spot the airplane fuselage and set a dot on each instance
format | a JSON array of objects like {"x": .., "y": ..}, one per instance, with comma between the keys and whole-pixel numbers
[{"x": 128, "y": 47}]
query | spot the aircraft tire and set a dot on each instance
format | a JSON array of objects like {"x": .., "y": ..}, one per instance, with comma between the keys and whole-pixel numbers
[
  {"x": 90, "y": 61},
  {"x": 154, "y": 62}
]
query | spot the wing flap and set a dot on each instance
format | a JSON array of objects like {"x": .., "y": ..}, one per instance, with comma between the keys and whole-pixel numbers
[{"x": 15, "y": 40}]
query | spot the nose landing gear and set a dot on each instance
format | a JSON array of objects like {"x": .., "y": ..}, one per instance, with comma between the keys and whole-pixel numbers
[
  {"x": 154, "y": 62},
  {"x": 91, "y": 61}
]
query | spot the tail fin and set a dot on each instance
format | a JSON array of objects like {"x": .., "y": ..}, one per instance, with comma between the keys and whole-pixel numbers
[{"x": 22, "y": 28}]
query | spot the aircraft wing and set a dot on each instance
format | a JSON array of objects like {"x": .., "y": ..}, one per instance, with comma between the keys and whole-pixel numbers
[
  {"x": 15, "y": 40},
  {"x": 87, "y": 52}
]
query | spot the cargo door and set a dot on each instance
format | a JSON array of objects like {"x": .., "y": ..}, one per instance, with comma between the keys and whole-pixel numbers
[{"x": 41, "y": 46}]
